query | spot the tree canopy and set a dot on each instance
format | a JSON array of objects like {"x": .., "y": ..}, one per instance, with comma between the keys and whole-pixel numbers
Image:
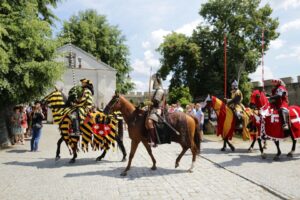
[
  {"x": 26, "y": 51},
  {"x": 92, "y": 33},
  {"x": 200, "y": 58}
]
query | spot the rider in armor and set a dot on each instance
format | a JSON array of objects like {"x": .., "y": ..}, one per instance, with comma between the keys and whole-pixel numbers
[
  {"x": 155, "y": 109},
  {"x": 280, "y": 101},
  {"x": 235, "y": 103},
  {"x": 85, "y": 101}
]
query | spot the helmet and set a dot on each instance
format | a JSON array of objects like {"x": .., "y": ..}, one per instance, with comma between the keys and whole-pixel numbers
[
  {"x": 235, "y": 84},
  {"x": 278, "y": 82}
]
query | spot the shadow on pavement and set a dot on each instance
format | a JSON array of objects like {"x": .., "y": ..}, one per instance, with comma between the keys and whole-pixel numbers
[
  {"x": 50, "y": 163},
  {"x": 134, "y": 173},
  {"x": 17, "y": 151}
]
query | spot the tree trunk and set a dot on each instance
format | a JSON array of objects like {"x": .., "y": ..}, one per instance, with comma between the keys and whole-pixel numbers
[{"x": 4, "y": 128}]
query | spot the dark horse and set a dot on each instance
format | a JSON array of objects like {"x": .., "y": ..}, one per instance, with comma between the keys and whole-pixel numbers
[
  {"x": 269, "y": 123},
  {"x": 56, "y": 102},
  {"x": 135, "y": 119}
]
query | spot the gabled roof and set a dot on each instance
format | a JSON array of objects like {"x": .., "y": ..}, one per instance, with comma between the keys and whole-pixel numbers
[{"x": 87, "y": 54}]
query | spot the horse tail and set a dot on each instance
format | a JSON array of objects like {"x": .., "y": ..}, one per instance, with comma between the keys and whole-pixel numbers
[{"x": 197, "y": 134}]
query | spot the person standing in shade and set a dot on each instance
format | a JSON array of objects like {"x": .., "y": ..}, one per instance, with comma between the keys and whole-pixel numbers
[{"x": 37, "y": 125}]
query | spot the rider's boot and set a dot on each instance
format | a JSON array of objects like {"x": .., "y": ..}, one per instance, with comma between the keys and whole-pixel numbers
[
  {"x": 152, "y": 135},
  {"x": 285, "y": 116}
]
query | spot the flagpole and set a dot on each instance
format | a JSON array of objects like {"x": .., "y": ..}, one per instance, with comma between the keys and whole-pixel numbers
[
  {"x": 262, "y": 59},
  {"x": 225, "y": 67}
]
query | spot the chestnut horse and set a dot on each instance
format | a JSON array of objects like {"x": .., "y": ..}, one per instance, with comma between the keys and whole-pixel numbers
[{"x": 189, "y": 137}]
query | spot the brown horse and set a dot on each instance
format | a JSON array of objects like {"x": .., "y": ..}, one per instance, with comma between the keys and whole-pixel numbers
[{"x": 188, "y": 137}]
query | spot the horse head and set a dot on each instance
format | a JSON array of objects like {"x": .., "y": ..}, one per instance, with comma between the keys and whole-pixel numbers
[
  {"x": 54, "y": 99},
  {"x": 113, "y": 105},
  {"x": 258, "y": 99}
]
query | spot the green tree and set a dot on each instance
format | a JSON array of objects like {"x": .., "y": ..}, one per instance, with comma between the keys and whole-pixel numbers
[
  {"x": 243, "y": 22},
  {"x": 92, "y": 33},
  {"x": 27, "y": 50},
  {"x": 180, "y": 94}
]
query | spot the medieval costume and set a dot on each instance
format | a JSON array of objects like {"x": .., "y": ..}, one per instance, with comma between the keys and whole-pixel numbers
[
  {"x": 279, "y": 101},
  {"x": 155, "y": 110},
  {"x": 235, "y": 103},
  {"x": 83, "y": 100}
]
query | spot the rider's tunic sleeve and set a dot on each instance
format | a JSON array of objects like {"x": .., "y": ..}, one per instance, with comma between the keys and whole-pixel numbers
[{"x": 87, "y": 99}]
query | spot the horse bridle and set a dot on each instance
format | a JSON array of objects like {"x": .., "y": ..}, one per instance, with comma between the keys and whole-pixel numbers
[{"x": 111, "y": 104}]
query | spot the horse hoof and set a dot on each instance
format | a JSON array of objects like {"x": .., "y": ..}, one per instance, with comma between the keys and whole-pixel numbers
[
  {"x": 232, "y": 149},
  {"x": 153, "y": 168},
  {"x": 57, "y": 158},
  {"x": 123, "y": 159},
  {"x": 72, "y": 161},
  {"x": 123, "y": 174},
  {"x": 223, "y": 149},
  {"x": 176, "y": 165},
  {"x": 276, "y": 158},
  {"x": 98, "y": 159},
  {"x": 290, "y": 154},
  {"x": 190, "y": 171},
  {"x": 263, "y": 156},
  {"x": 250, "y": 150}
]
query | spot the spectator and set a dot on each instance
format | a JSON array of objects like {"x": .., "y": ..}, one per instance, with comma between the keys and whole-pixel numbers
[
  {"x": 37, "y": 118},
  {"x": 16, "y": 127},
  {"x": 23, "y": 123},
  {"x": 171, "y": 108},
  {"x": 178, "y": 108},
  {"x": 28, "y": 112},
  {"x": 189, "y": 109},
  {"x": 200, "y": 117}
]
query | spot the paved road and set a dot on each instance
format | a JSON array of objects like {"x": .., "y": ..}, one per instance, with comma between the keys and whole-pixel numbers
[{"x": 27, "y": 175}]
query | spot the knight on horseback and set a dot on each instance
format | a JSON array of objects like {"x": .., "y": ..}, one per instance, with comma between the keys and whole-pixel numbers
[
  {"x": 280, "y": 101},
  {"x": 83, "y": 99},
  {"x": 155, "y": 109},
  {"x": 235, "y": 103}
]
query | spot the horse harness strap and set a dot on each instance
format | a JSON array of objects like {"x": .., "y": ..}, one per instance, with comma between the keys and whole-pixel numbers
[{"x": 166, "y": 123}]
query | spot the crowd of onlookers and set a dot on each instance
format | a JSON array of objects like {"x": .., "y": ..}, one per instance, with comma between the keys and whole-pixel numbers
[
  {"x": 206, "y": 119},
  {"x": 26, "y": 123}
]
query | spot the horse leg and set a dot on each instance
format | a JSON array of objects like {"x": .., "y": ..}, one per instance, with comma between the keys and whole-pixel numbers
[
  {"x": 101, "y": 156},
  {"x": 224, "y": 145},
  {"x": 74, "y": 149},
  {"x": 57, "y": 157},
  {"x": 278, "y": 150},
  {"x": 194, "y": 152},
  {"x": 122, "y": 147},
  {"x": 184, "y": 149},
  {"x": 134, "y": 145},
  {"x": 230, "y": 145},
  {"x": 290, "y": 154},
  {"x": 265, "y": 144},
  {"x": 263, "y": 155},
  {"x": 252, "y": 146},
  {"x": 149, "y": 150}
]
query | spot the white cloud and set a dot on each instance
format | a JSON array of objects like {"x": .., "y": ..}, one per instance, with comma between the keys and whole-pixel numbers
[
  {"x": 286, "y": 4},
  {"x": 141, "y": 86},
  {"x": 277, "y": 44},
  {"x": 146, "y": 45},
  {"x": 257, "y": 75},
  {"x": 187, "y": 29},
  {"x": 157, "y": 37},
  {"x": 294, "y": 53},
  {"x": 292, "y": 25}
]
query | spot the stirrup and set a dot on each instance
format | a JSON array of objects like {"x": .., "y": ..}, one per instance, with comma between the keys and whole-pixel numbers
[{"x": 285, "y": 127}]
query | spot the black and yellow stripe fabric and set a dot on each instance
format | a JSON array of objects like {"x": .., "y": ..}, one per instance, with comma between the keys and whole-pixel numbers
[{"x": 87, "y": 120}]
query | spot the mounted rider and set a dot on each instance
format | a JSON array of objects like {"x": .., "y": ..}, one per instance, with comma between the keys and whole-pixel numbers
[
  {"x": 280, "y": 101},
  {"x": 83, "y": 101},
  {"x": 155, "y": 109},
  {"x": 235, "y": 103}
]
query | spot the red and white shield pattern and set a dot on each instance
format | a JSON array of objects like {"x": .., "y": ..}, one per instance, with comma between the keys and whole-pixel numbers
[
  {"x": 273, "y": 124},
  {"x": 101, "y": 129}
]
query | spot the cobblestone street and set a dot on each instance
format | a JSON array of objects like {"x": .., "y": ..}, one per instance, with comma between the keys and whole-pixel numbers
[{"x": 217, "y": 175}]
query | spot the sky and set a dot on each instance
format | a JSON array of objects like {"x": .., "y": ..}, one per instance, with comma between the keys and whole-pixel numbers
[{"x": 144, "y": 23}]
